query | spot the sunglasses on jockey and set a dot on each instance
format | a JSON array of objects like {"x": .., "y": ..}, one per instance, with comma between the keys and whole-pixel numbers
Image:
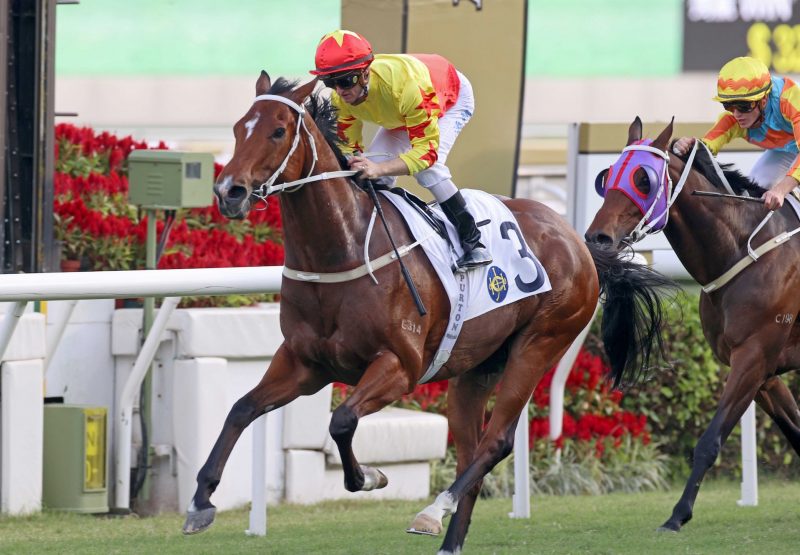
[
  {"x": 343, "y": 81},
  {"x": 744, "y": 107}
]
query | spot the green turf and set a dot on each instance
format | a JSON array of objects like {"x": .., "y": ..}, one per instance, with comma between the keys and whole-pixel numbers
[{"x": 619, "y": 523}]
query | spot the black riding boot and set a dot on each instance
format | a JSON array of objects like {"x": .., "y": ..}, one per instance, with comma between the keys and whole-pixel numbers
[{"x": 475, "y": 254}]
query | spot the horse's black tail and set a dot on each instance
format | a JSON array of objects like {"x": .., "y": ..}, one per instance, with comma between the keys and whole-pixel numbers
[{"x": 632, "y": 296}]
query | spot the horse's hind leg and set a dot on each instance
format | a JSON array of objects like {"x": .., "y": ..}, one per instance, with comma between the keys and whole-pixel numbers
[
  {"x": 748, "y": 371},
  {"x": 384, "y": 381},
  {"x": 528, "y": 361},
  {"x": 466, "y": 406},
  {"x": 777, "y": 401},
  {"x": 285, "y": 380}
]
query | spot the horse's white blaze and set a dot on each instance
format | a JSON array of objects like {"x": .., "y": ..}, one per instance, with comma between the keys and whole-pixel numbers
[{"x": 250, "y": 125}]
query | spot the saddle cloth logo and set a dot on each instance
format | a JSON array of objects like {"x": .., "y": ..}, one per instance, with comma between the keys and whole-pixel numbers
[{"x": 497, "y": 284}]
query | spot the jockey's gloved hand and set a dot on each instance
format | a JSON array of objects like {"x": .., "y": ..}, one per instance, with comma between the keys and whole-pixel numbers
[{"x": 682, "y": 146}]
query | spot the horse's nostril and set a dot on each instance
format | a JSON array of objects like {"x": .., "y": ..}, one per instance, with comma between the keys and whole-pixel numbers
[
  {"x": 603, "y": 239},
  {"x": 237, "y": 193},
  {"x": 599, "y": 238}
]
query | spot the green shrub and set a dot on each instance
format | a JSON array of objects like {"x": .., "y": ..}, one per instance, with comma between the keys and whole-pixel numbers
[{"x": 681, "y": 400}]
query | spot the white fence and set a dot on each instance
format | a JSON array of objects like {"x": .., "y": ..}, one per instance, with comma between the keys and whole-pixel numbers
[
  {"x": 175, "y": 283},
  {"x": 171, "y": 284}
]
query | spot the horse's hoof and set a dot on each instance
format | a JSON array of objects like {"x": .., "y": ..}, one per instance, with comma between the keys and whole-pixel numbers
[
  {"x": 425, "y": 525},
  {"x": 669, "y": 527},
  {"x": 198, "y": 521},
  {"x": 382, "y": 481},
  {"x": 373, "y": 478}
]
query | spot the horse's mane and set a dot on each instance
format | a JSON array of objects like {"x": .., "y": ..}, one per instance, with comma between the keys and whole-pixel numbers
[
  {"x": 321, "y": 111},
  {"x": 324, "y": 115},
  {"x": 740, "y": 183}
]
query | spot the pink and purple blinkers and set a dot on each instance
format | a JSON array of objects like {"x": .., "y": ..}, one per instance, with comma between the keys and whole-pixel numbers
[{"x": 642, "y": 176}]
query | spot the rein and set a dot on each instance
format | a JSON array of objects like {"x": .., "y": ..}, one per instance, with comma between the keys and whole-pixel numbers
[
  {"x": 269, "y": 188},
  {"x": 643, "y": 229}
]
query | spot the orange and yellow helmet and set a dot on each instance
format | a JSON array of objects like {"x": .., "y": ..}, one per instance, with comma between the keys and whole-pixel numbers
[
  {"x": 340, "y": 51},
  {"x": 743, "y": 78}
]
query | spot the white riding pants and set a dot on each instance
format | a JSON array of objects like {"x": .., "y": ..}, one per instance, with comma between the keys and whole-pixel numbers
[
  {"x": 437, "y": 178},
  {"x": 771, "y": 167}
]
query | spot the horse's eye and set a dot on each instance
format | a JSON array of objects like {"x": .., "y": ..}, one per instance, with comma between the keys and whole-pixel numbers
[
  {"x": 600, "y": 182},
  {"x": 641, "y": 180},
  {"x": 279, "y": 132}
]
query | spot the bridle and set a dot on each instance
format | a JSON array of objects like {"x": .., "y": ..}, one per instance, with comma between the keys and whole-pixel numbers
[
  {"x": 651, "y": 224},
  {"x": 269, "y": 188}
]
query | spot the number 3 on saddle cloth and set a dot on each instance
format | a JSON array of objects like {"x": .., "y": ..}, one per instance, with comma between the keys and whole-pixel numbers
[{"x": 514, "y": 274}]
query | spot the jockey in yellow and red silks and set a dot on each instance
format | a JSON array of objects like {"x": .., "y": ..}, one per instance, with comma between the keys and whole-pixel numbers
[
  {"x": 421, "y": 103},
  {"x": 763, "y": 110}
]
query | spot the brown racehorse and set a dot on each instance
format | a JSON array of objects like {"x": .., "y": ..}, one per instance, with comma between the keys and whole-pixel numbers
[
  {"x": 353, "y": 332},
  {"x": 751, "y": 322}
]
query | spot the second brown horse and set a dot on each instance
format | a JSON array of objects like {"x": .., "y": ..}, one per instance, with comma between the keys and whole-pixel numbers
[{"x": 750, "y": 322}]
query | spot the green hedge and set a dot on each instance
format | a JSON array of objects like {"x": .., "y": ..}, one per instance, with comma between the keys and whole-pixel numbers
[{"x": 681, "y": 400}]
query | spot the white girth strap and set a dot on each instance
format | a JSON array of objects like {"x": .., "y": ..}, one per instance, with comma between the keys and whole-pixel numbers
[{"x": 355, "y": 273}]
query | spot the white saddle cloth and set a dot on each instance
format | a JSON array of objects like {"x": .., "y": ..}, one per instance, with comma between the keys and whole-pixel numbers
[{"x": 515, "y": 272}]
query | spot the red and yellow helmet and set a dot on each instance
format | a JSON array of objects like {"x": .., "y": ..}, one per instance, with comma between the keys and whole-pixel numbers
[
  {"x": 743, "y": 78},
  {"x": 341, "y": 51}
]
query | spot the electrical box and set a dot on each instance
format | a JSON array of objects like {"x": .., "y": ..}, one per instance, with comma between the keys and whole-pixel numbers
[
  {"x": 75, "y": 458},
  {"x": 169, "y": 179}
]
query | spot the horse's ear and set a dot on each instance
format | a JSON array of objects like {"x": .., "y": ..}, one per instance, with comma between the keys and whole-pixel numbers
[
  {"x": 635, "y": 131},
  {"x": 300, "y": 94},
  {"x": 263, "y": 84},
  {"x": 663, "y": 139}
]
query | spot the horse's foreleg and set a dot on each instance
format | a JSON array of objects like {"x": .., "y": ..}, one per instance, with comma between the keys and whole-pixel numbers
[
  {"x": 777, "y": 401},
  {"x": 746, "y": 377},
  {"x": 285, "y": 380},
  {"x": 466, "y": 402},
  {"x": 384, "y": 381}
]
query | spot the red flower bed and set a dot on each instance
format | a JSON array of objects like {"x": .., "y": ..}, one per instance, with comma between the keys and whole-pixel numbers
[
  {"x": 592, "y": 412},
  {"x": 95, "y": 223}
]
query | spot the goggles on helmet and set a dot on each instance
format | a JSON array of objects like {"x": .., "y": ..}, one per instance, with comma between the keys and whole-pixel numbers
[
  {"x": 743, "y": 106},
  {"x": 342, "y": 81}
]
